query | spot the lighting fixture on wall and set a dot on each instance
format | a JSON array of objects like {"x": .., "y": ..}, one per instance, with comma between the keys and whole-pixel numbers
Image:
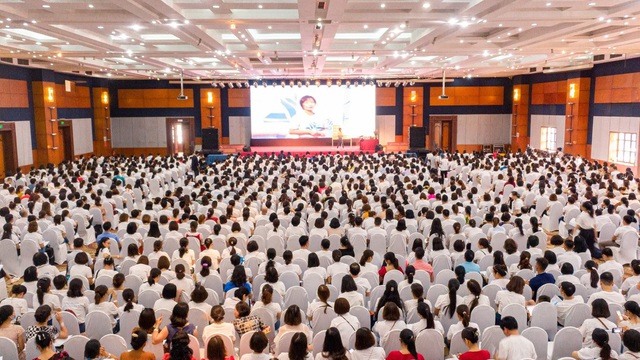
[
  {"x": 50, "y": 94},
  {"x": 210, "y": 97},
  {"x": 105, "y": 98},
  {"x": 516, "y": 94},
  {"x": 414, "y": 96},
  {"x": 572, "y": 91}
]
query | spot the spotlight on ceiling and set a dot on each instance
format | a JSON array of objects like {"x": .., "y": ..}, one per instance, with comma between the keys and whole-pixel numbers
[
  {"x": 264, "y": 83},
  {"x": 255, "y": 84},
  {"x": 222, "y": 85},
  {"x": 348, "y": 83},
  {"x": 339, "y": 82},
  {"x": 307, "y": 83},
  {"x": 230, "y": 85},
  {"x": 328, "y": 82},
  {"x": 282, "y": 83},
  {"x": 318, "y": 82},
  {"x": 404, "y": 83},
  {"x": 412, "y": 82},
  {"x": 396, "y": 84},
  {"x": 388, "y": 83},
  {"x": 299, "y": 83},
  {"x": 371, "y": 83},
  {"x": 291, "y": 83},
  {"x": 246, "y": 84},
  {"x": 214, "y": 84},
  {"x": 239, "y": 84},
  {"x": 356, "y": 83}
]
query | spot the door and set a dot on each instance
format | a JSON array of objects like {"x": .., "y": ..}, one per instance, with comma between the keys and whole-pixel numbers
[
  {"x": 65, "y": 128},
  {"x": 442, "y": 132},
  {"x": 180, "y": 136},
  {"x": 9, "y": 146}
]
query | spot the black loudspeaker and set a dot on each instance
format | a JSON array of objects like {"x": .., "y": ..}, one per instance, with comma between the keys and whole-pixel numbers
[
  {"x": 210, "y": 140},
  {"x": 416, "y": 137}
]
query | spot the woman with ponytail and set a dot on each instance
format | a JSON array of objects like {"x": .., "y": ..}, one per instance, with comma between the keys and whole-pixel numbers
[
  {"x": 390, "y": 263},
  {"x": 76, "y": 302},
  {"x": 131, "y": 303},
  {"x": 470, "y": 336},
  {"x": 426, "y": 320},
  {"x": 464, "y": 315},
  {"x": 138, "y": 342},
  {"x": 447, "y": 303},
  {"x": 475, "y": 297},
  {"x": 110, "y": 308},
  {"x": 206, "y": 269},
  {"x": 591, "y": 280},
  {"x": 184, "y": 253},
  {"x": 366, "y": 262},
  {"x": 410, "y": 272},
  {"x": 231, "y": 249},
  {"x": 524, "y": 263},
  {"x": 44, "y": 295},
  {"x": 152, "y": 282},
  {"x": 484, "y": 249},
  {"x": 417, "y": 291},
  {"x": 600, "y": 349},
  {"x": 213, "y": 254},
  {"x": 586, "y": 227},
  {"x": 183, "y": 282},
  {"x": 407, "y": 348},
  {"x": 518, "y": 230}
]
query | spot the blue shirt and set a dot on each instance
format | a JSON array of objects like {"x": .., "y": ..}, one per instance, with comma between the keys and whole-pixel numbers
[
  {"x": 537, "y": 281},
  {"x": 230, "y": 285},
  {"x": 107, "y": 235},
  {"x": 470, "y": 267}
]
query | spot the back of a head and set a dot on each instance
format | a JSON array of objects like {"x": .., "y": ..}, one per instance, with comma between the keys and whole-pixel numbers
[
  {"x": 138, "y": 339},
  {"x": 508, "y": 323}
]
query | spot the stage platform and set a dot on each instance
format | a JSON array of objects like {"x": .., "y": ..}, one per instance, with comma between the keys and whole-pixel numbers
[{"x": 302, "y": 150}]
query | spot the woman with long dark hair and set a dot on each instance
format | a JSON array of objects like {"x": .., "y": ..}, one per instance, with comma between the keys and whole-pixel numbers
[
  {"x": 407, "y": 348},
  {"x": 586, "y": 227},
  {"x": 332, "y": 347},
  {"x": 599, "y": 350},
  {"x": 180, "y": 349},
  {"x": 447, "y": 303},
  {"x": 390, "y": 263}
]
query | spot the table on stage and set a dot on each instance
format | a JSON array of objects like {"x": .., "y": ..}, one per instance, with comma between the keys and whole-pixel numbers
[{"x": 368, "y": 144}]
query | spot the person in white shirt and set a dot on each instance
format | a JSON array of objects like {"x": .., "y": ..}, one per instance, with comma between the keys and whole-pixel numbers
[
  {"x": 219, "y": 326},
  {"x": 295, "y": 229},
  {"x": 620, "y": 231},
  {"x": 152, "y": 283},
  {"x": 266, "y": 302},
  {"x": 607, "y": 293},
  {"x": 76, "y": 302},
  {"x": 141, "y": 269},
  {"x": 514, "y": 346},
  {"x": 345, "y": 322},
  {"x": 184, "y": 253},
  {"x": 303, "y": 252},
  {"x": 337, "y": 267},
  {"x": 463, "y": 313},
  {"x": 349, "y": 291},
  {"x": 600, "y": 314},
  {"x": 512, "y": 295},
  {"x": 157, "y": 251},
  {"x": 599, "y": 350},
  {"x": 631, "y": 341},
  {"x": 365, "y": 346},
  {"x": 633, "y": 280},
  {"x": 391, "y": 320},
  {"x": 183, "y": 282},
  {"x": 110, "y": 308},
  {"x": 333, "y": 347},
  {"x": 17, "y": 300},
  {"x": 567, "y": 290},
  {"x": 258, "y": 343},
  {"x": 81, "y": 268},
  {"x": 610, "y": 263}
]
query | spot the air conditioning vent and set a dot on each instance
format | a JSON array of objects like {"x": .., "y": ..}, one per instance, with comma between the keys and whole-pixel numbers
[
  {"x": 546, "y": 68},
  {"x": 7, "y": 60},
  {"x": 613, "y": 56},
  {"x": 598, "y": 57},
  {"x": 533, "y": 69},
  {"x": 23, "y": 62},
  {"x": 88, "y": 72},
  {"x": 322, "y": 5}
]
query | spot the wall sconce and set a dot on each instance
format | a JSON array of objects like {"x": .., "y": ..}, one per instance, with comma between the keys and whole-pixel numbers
[
  {"x": 50, "y": 94},
  {"x": 210, "y": 97},
  {"x": 105, "y": 98},
  {"x": 572, "y": 91},
  {"x": 516, "y": 94},
  {"x": 414, "y": 96}
]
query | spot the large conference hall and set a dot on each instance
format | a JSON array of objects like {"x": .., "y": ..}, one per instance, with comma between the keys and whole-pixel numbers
[{"x": 319, "y": 179}]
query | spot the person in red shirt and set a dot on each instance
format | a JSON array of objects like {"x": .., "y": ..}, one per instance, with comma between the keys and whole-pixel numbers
[
  {"x": 407, "y": 348},
  {"x": 470, "y": 338},
  {"x": 390, "y": 263}
]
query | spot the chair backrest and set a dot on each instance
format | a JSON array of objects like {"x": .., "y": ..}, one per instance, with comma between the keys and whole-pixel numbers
[
  {"x": 483, "y": 316},
  {"x": 194, "y": 345},
  {"x": 296, "y": 295},
  {"x": 430, "y": 344},
  {"x": 114, "y": 344},
  {"x": 567, "y": 340},
  {"x": 518, "y": 312},
  {"x": 577, "y": 314},
  {"x": 322, "y": 320},
  {"x": 74, "y": 346},
  {"x": 318, "y": 341},
  {"x": 393, "y": 275},
  {"x": 98, "y": 325},
  {"x": 70, "y": 321},
  {"x": 391, "y": 341},
  {"x": 491, "y": 337},
  {"x": 539, "y": 339},
  {"x": 284, "y": 342},
  {"x": 128, "y": 321},
  {"x": 200, "y": 319},
  {"x": 148, "y": 297},
  {"x": 362, "y": 314},
  {"x": 435, "y": 291},
  {"x": 457, "y": 344},
  {"x": 8, "y": 348},
  {"x": 545, "y": 316}
]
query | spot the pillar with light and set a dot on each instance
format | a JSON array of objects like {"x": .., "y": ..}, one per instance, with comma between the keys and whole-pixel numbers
[
  {"x": 413, "y": 98},
  {"x": 210, "y": 107}
]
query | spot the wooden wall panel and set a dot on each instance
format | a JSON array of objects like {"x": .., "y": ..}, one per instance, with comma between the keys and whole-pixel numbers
[
  {"x": 549, "y": 93},
  {"x": 385, "y": 97},
  {"x": 78, "y": 97},
  {"x": 153, "y": 98},
  {"x": 468, "y": 96},
  {"x": 14, "y": 94},
  {"x": 617, "y": 89},
  {"x": 408, "y": 109},
  {"x": 239, "y": 98}
]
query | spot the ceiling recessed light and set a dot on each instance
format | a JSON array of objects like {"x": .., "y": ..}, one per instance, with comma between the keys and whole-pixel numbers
[
  {"x": 136, "y": 27},
  {"x": 186, "y": 21},
  {"x": 46, "y": 6},
  {"x": 426, "y": 5},
  {"x": 90, "y": 6},
  {"x": 592, "y": 4},
  {"x": 365, "y": 26},
  {"x": 216, "y": 6},
  {"x": 548, "y": 4},
  {"x": 100, "y": 27},
  {"x": 259, "y": 6},
  {"x": 269, "y": 27},
  {"x": 33, "y": 21},
  {"x": 383, "y": 5},
  {"x": 534, "y": 24}
]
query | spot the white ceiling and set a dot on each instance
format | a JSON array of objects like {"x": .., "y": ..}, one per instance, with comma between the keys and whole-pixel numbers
[{"x": 251, "y": 39}]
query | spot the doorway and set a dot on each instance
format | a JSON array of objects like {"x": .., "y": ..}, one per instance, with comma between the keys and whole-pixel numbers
[
  {"x": 443, "y": 132},
  {"x": 65, "y": 128},
  {"x": 180, "y": 136},
  {"x": 9, "y": 146}
]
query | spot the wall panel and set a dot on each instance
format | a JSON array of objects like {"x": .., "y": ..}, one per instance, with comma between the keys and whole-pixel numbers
[
  {"x": 539, "y": 121},
  {"x": 82, "y": 139},
  {"x": 23, "y": 139},
  {"x": 481, "y": 129},
  {"x": 141, "y": 132},
  {"x": 603, "y": 125}
]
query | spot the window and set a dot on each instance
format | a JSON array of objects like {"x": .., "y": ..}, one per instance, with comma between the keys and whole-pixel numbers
[
  {"x": 548, "y": 136},
  {"x": 623, "y": 147}
]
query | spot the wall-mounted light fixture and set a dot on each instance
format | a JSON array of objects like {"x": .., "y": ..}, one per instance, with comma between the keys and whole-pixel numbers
[
  {"x": 105, "y": 98},
  {"x": 516, "y": 94},
  {"x": 572, "y": 91},
  {"x": 50, "y": 94},
  {"x": 414, "y": 96},
  {"x": 209, "y": 97}
]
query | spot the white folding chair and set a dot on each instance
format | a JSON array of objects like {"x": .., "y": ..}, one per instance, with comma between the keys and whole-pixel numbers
[
  {"x": 484, "y": 316},
  {"x": 200, "y": 319},
  {"x": 74, "y": 346},
  {"x": 8, "y": 349},
  {"x": 491, "y": 337},
  {"x": 577, "y": 314},
  {"x": 98, "y": 324},
  {"x": 114, "y": 344},
  {"x": 318, "y": 342},
  {"x": 518, "y": 312},
  {"x": 567, "y": 340},
  {"x": 539, "y": 339},
  {"x": 128, "y": 321},
  {"x": 430, "y": 344},
  {"x": 545, "y": 316}
]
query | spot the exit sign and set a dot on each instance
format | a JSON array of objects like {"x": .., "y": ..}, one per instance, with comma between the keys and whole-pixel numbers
[
  {"x": 61, "y": 122},
  {"x": 1, "y": 126}
]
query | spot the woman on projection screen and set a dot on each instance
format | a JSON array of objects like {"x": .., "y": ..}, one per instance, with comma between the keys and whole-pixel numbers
[{"x": 308, "y": 122}]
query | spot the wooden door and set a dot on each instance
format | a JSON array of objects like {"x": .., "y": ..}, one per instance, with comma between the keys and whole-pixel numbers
[
  {"x": 180, "y": 136},
  {"x": 442, "y": 133},
  {"x": 446, "y": 135},
  {"x": 65, "y": 139},
  {"x": 9, "y": 146}
]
